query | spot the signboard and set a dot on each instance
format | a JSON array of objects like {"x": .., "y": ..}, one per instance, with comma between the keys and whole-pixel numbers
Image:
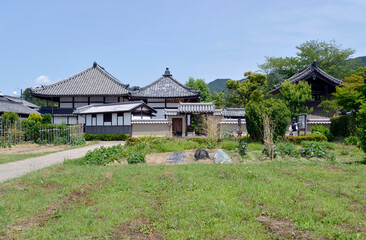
[{"x": 301, "y": 122}]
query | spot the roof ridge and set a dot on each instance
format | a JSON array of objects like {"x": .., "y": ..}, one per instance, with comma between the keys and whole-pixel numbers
[{"x": 110, "y": 76}]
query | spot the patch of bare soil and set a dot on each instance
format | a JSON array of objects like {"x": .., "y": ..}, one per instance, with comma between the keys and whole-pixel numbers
[
  {"x": 137, "y": 228},
  {"x": 283, "y": 228},
  {"x": 32, "y": 148}
]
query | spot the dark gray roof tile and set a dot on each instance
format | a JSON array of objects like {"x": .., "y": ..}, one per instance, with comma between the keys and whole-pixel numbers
[
  {"x": 166, "y": 87},
  {"x": 94, "y": 81}
]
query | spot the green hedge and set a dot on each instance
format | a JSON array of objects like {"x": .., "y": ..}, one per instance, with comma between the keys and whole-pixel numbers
[
  {"x": 106, "y": 137},
  {"x": 309, "y": 137},
  {"x": 343, "y": 126}
]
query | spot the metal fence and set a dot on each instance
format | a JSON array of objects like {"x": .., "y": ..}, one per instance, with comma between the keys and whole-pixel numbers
[{"x": 20, "y": 131}]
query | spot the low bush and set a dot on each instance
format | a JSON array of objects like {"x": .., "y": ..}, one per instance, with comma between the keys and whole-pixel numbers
[
  {"x": 77, "y": 140},
  {"x": 106, "y": 137},
  {"x": 242, "y": 147},
  {"x": 325, "y": 145},
  {"x": 343, "y": 126},
  {"x": 60, "y": 141},
  {"x": 351, "y": 140},
  {"x": 136, "y": 157},
  {"x": 230, "y": 144},
  {"x": 330, "y": 137},
  {"x": 312, "y": 149},
  {"x": 309, "y": 137},
  {"x": 320, "y": 129},
  {"x": 287, "y": 149},
  {"x": 100, "y": 156}
]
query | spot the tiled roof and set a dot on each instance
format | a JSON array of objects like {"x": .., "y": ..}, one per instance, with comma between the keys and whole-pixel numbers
[
  {"x": 21, "y": 100},
  {"x": 151, "y": 121},
  {"x": 170, "y": 112},
  {"x": 94, "y": 81},
  {"x": 234, "y": 112},
  {"x": 112, "y": 107},
  {"x": 196, "y": 107},
  {"x": 10, "y": 106},
  {"x": 319, "y": 121},
  {"x": 166, "y": 87},
  {"x": 311, "y": 71},
  {"x": 231, "y": 121}
]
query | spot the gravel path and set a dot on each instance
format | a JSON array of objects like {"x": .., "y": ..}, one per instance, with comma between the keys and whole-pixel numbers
[{"x": 22, "y": 167}]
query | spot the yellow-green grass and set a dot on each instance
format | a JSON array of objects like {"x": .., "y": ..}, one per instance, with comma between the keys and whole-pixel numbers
[{"x": 284, "y": 198}]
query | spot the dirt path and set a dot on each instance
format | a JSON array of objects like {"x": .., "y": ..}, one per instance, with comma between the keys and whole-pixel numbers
[{"x": 20, "y": 168}]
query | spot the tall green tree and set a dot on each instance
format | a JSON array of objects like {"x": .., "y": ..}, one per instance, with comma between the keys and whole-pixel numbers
[
  {"x": 330, "y": 56},
  {"x": 37, "y": 101},
  {"x": 295, "y": 96},
  {"x": 200, "y": 85},
  {"x": 251, "y": 88}
]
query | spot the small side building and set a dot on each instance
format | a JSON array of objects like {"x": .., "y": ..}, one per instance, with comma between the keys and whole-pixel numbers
[
  {"x": 19, "y": 106},
  {"x": 113, "y": 118}
]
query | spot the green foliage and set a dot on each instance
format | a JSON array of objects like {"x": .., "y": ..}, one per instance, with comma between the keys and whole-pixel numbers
[
  {"x": 47, "y": 119},
  {"x": 31, "y": 130},
  {"x": 229, "y": 144},
  {"x": 249, "y": 89},
  {"x": 136, "y": 157},
  {"x": 76, "y": 140},
  {"x": 280, "y": 116},
  {"x": 200, "y": 85},
  {"x": 361, "y": 116},
  {"x": 106, "y": 137},
  {"x": 351, "y": 140},
  {"x": 9, "y": 117},
  {"x": 295, "y": 96},
  {"x": 287, "y": 149},
  {"x": 60, "y": 141},
  {"x": 312, "y": 149},
  {"x": 39, "y": 102},
  {"x": 100, "y": 156},
  {"x": 330, "y": 56},
  {"x": 320, "y": 129},
  {"x": 349, "y": 95},
  {"x": 198, "y": 124},
  {"x": 309, "y": 137},
  {"x": 35, "y": 117},
  {"x": 242, "y": 147},
  {"x": 217, "y": 85},
  {"x": 343, "y": 126}
]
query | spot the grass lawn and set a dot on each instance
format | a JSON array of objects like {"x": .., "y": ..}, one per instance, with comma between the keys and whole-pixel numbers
[{"x": 284, "y": 198}]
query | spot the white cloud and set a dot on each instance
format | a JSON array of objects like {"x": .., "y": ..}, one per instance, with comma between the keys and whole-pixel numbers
[{"x": 43, "y": 80}]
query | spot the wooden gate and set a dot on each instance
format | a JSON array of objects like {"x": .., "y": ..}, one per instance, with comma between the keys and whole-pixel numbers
[{"x": 177, "y": 127}]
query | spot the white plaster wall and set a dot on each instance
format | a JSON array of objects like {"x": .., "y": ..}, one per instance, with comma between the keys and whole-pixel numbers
[
  {"x": 88, "y": 120},
  {"x": 172, "y": 105},
  {"x": 159, "y": 114},
  {"x": 114, "y": 119},
  {"x": 153, "y": 105},
  {"x": 65, "y": 105},
  {"x": 127, "y": 117},
  {"x": 65, "y": 99},
  {"x": 100, "y": 119},
  {"x": 81, "y": 119},
  {"x": 76, "y": 105},
  {"x": 60, "y": 120},
  {"x": 120, "y": 120}
]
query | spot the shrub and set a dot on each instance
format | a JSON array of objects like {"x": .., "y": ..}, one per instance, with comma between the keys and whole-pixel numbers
[
  {"x": 136, "y": 157},
  {"x": 312, "y": 149},
  {"x": 361, "y": 116},
  {"x": 242, "y": 147},
  {"x": 309, "y": 137},
  {"x": 325, "y": 145},
  {"x": 60, "y": 141},
  {"x": 106, "y": 137},
  {"x": 330, "y": 137},
  {"x": 351, "y": 140},
  {"x": 35, "y": 117},
  {"x": 320, "y": 129},
  {"x": 229, "y": 144},
  {"x": 31, "y": 130},
  {"x": 47, "y": 119},
  {"x": 76, "y": 140},
  {"x": 100, "y": 156},
  {"x": 9, "y": 117},
  {"x": 280, "y": 116},
  {"x": 287, "y": 149},
  {"x": 343, "y": 126}
]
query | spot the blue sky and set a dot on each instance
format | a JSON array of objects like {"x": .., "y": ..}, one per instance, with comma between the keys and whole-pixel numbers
[{"x": 43, "y": 42}]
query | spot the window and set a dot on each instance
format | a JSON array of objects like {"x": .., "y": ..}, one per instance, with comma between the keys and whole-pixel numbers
[
  {"x": 94, "y": 120},
  {"x": 107, "y": 117}
]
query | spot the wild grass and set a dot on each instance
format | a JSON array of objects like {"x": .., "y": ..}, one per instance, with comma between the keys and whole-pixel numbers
[
  {"x": 242, "y": 201},
  {"x": 5, "y": 158}
]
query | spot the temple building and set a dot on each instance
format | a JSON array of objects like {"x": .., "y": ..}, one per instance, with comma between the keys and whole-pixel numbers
[{"x": 322, "y": 85}]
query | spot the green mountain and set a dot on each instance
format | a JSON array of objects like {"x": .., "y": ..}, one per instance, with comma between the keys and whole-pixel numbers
[
  {"x": 217, "y": 85},
  {"x": 361, "y": 61}
]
